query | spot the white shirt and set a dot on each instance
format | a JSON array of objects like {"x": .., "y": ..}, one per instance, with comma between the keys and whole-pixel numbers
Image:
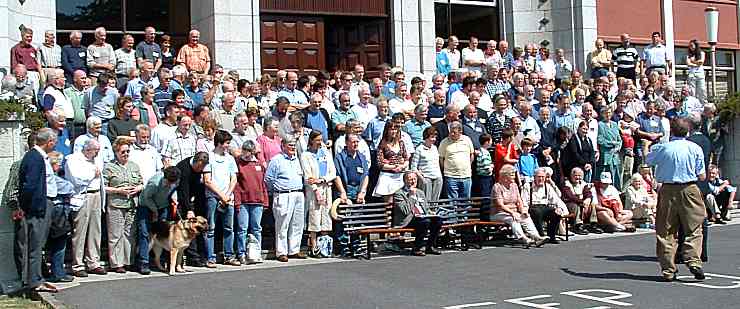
[
  {"x": 529, "y": 125},
  {"x": 655, "y": 55},
  {"x": 459, "y": 99},
  {"x": 693, "y": 105},
  {"x": 148, "y": 160},
  {"x": 161, "y": 135},
  {"x": 81, "y": 172},
  {"x": 547, "y": 67},
  {"x": 365, "y": 113},
  {"x": 106, "y": 150},
  {"x": 476, "y": 55},
  {"x": 398, "y": 105},
  {"x": 454, "y": 58}
]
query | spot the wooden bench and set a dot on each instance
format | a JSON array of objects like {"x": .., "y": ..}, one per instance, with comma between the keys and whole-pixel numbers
[{"x": 364, "y": 220}]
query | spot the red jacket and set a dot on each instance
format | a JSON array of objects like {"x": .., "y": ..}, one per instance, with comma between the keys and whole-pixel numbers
[{"x": 250, "y": 183}]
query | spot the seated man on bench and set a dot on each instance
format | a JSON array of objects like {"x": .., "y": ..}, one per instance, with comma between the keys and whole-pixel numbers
[{"x": 410, "y": 209}]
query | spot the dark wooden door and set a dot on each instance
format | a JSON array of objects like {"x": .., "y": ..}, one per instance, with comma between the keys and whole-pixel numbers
[
  {"x": 349, "y": 42},
  {"x": 292, "y": 43}
]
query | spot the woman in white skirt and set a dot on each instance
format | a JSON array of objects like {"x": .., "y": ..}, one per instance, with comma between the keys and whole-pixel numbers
[
  {"x": 392, "y": 160},
  {"x": 318, "y": 174}
]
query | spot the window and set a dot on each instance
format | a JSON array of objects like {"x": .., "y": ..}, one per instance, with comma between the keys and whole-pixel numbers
[
  {"x": 122, "y": 16},
  {"x": 467, "y": 18}
]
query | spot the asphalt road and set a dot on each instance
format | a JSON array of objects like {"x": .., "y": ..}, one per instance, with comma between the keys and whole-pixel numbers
[{"x": 619, "y": 272}]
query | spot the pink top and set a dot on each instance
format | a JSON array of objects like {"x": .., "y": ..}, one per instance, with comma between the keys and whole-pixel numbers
[
  {"x": 509, "y": 196},
  {"x": 270, "y": 147}
]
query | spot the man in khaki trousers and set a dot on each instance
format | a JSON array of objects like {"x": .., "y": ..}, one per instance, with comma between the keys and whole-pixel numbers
[{"x": 679, "y": 164}]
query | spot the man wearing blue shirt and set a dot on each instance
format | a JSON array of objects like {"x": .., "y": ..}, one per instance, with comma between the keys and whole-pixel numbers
[
  {"x": 284, "y": 178},
  {"x": 296, "y": 97},
  {"x": 442, "y": 61},
  {"x": 317, "y": 118},
  {"x": 353, "y": 169},
  {"x": 415, "y": 127},
  {"x": 679, "y": 164},
  {"x": 101, "y": 100}
]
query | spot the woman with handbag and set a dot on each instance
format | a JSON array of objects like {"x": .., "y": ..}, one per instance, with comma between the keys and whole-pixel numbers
[
  {"x": 318, "y": 175},
  {"x": 123, "y": 183}
]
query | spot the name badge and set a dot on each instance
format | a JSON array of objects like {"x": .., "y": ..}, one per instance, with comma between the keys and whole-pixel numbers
[
  {"x": 479, "y": 129},
  {"x": 155, "y": 54},
  {"x": 33, "y": 56},
  {"x": 654, "y": 123},
  {"x": 258, "y": 168},
  {"x": 82, "y": 54},
  {"x": 360, "y": 170},
  {"x": 66, "y": 142}
]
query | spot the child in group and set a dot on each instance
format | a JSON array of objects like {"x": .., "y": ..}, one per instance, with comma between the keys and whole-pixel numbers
[
  {"x": 527, "y": 163},
  {"x": 720, "y": 197},
  {"x": 484, "y": 166}
]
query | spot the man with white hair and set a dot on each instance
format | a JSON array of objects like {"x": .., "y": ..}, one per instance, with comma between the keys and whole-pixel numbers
[
  {"x": 125, "y": 60},
  {"x": 182, "y": 146},
  {"x": 74, "y": 55},
  {"x": 57, "y": 122},
  {"x": 134, "y": 86},
  {"x": 145, "y": 155},
  {"x": 75, "y": 93},
  {"x": 25, "y": 89},
  {"x": 441, "y": 60},
  {"x": 54, "y": 97},
  {"x": 540, "y": 196},
  {"x": 83, "y": 170},
  {"x": 364, "y": 110},
  {"x": 94, "y": 128},
  {"x": 691, "y": 104},
  {"x": 100, "y": 55},
  {"x": 194, "y": 55}
]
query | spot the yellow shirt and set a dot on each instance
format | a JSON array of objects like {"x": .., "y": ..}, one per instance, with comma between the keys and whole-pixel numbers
[
  {"x": 599, "y": 57},
  {"x": 457, "y": 157}
]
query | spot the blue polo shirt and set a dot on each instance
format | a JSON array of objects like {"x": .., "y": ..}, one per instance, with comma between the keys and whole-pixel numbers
[
  {"x": 315, "y": 121},
  {"x": 678, "y": 161},
  {"x": 352, "y": 170}
]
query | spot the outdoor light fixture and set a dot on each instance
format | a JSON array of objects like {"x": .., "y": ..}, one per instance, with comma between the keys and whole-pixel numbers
[{"x": 711, "y": 18}]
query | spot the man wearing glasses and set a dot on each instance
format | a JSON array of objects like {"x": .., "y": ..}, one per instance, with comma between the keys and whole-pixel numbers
[{"x": 284, "y": 178}]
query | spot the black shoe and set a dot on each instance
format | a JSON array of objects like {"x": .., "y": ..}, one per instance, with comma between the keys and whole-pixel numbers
[
  {"x": 720, "y": 221},
  {"x": 62, "y": 279},
  {"x": 698, "y": 272},
  {"x": 197, "y": 263},
  {"x": 553, "y": 241},
  {"x": 727, "y": 218},
  {"x": 144, "y": 270},
  {"x": 433, "y": 251},
  {"x": 592, "y": 228},
  {"x": 580, "y": 230},
  {"x": 668, "y": 278},
  {"x": 80, "y": 273},
  {"x": 474, "y": 246}
]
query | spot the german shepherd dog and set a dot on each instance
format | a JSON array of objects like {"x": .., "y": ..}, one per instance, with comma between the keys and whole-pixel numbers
[{"x": 174, "y": 237}]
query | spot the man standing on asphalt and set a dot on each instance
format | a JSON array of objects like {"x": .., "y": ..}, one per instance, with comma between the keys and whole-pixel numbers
[
  {"x": 284, "y": 178},
  {"x": 679, "y": 164}
]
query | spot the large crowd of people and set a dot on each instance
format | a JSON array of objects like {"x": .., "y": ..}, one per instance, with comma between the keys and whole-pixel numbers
[{"x": 147, "y": 133}]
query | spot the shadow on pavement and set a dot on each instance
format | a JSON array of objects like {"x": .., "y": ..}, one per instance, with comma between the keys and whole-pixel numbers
[
  {"x": 627, "y": 258},
  {"x": 618, "y": 276}
]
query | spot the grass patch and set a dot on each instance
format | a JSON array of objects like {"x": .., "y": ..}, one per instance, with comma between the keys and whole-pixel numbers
[{"x": 19, "y": 303}]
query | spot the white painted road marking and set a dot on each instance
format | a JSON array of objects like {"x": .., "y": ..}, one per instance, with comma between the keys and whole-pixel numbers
[{"x": 488, "y": 303}]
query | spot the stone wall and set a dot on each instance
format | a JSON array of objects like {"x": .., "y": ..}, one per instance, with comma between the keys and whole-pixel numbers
[
  {"x": 40, "y": 15},
  {"x": 10, "y": 150},
  {"x": 413, "y": 36}
]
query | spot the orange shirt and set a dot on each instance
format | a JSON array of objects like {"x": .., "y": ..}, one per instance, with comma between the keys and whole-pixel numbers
[{"x": 195, "y": 58}]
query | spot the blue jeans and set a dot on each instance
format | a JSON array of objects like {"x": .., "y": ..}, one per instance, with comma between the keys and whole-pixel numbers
[
  {"x": 56, "y": 254},
  {"x": 248, "y": 218},
  {"x": 599, "y": 72},
  {"x": 228, "y": 220},
  {"x": 143, "y": 215},
  {"x": 457, "y": 187}
]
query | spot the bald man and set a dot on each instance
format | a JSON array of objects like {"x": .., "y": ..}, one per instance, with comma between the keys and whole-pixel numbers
[{"x": 194, "y": 55}]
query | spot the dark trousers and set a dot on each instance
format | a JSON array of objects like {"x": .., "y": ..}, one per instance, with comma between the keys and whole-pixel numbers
[
  {"x": 143, "y": 217},
  {"x": 55, "y": 252},
  {"x": 484, "y": 186},
  {"x": 723, "y": 202},
  {"x": 197, "y": 249},
  {"x": 543, "y": 213},
  {"x": 29, "y": 245},
  {"x": 422, "y": 226}
]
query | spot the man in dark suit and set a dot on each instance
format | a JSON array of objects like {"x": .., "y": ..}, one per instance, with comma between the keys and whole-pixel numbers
[
  {"x": 36, "y": 187},
  {"x": 579, "y": 152},
  {"x": 191, "y": 201},
  {"x": 452, "y": 114},
  {"x": 472, "y": 126},
  {"x": 410, "y": 208}
]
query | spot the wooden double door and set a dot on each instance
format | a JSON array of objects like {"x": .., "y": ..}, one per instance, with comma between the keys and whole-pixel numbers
[{"x": 310, "y": 44}]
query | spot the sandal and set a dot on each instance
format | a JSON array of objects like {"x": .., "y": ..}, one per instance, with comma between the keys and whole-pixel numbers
[{"x": 46, "y": 288}]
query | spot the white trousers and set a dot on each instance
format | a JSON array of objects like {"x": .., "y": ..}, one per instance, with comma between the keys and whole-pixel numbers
[
  {"x": 287, "y": 208},
  {"x": 519, "y": 228}
]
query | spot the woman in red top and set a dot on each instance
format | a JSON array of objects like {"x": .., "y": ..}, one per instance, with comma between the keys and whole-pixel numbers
[
  {"x": 250, "y": 197},
  {"x": 506, "y": 152}
]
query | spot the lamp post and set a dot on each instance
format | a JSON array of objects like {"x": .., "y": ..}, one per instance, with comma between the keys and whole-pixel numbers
[{"x": 711, "y": 17}]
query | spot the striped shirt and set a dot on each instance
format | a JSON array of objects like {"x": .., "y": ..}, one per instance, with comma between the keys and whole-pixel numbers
[
  {"x": 179, "y": 148},
  {"x": 50, "y": 56},
  {"x": 625, "y": 58}
]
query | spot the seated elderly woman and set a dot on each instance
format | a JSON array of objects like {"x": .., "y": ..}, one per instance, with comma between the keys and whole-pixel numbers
[
  {"x": 508, "y": 207},
  {"x": 639, "y": 201},
  {"x": 410, "y": 208},
  {"x": 609, "y": 209}
]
